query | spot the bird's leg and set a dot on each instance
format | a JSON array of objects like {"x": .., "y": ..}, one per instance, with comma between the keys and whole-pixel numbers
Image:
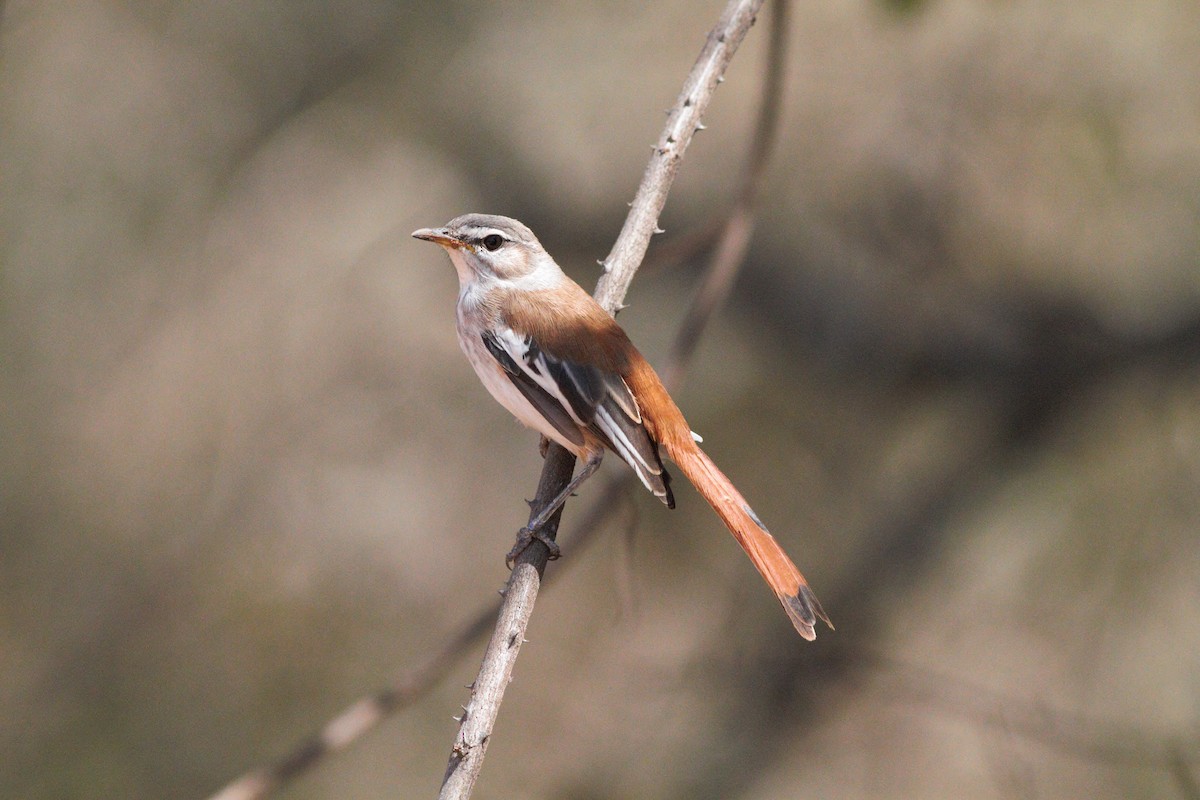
[{"x": 534, "y": 529}]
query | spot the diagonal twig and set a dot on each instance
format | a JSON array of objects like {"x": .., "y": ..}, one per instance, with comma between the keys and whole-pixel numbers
[
  {"x": 734, "y": 238},
  {"x": 367, "y": 712}
]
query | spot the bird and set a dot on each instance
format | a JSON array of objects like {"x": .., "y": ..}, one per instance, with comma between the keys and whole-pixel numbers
[{"x": 558, "y": 362}]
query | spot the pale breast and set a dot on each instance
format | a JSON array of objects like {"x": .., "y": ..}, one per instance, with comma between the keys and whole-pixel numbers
[{"x": 498, "y": 384}]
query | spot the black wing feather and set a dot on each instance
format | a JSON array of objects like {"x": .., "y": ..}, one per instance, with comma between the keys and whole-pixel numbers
[
  {"x": 595, "y": 399},
  {"x": 543, "y": 401},
  {"x": 582, "y": 386}
]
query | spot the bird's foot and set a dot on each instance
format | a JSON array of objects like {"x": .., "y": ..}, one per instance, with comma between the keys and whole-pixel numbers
[{"x": 526, "y": 537}]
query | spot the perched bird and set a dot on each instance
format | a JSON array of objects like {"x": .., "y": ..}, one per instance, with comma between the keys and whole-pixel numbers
[{"x": 561, "y": 365}]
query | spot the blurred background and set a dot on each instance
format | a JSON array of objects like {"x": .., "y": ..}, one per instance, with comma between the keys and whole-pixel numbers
[{"x": 247, "y": 476}]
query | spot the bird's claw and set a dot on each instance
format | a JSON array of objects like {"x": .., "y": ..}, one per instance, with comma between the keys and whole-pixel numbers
[{"x": 525, "y": 537}]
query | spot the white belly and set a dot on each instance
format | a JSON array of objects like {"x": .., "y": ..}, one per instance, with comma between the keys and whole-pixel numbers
[{"x": 501, "y": 387}]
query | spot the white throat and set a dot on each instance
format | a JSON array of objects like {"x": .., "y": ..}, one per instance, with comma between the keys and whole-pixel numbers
[{"x": 466, "y": 275}]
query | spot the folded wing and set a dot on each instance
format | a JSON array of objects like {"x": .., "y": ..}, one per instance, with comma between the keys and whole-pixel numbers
[{"x": 574, "y": 397}]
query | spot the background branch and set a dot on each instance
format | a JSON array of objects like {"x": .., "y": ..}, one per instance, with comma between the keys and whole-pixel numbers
[{"x": 734, "y": 238}]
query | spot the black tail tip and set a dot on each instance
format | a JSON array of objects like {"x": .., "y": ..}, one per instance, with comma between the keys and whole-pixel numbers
[{"x": 804, "y": 609}]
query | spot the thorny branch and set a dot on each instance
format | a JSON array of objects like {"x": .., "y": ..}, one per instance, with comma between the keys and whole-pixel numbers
[
  {"x": 683, "y": 121},
  {"x": 367, "y": 712},
  {"x": 734, "y": 239}
]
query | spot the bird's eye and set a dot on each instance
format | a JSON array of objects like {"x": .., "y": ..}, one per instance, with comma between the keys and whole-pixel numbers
[{"x": 493, "y": 241}]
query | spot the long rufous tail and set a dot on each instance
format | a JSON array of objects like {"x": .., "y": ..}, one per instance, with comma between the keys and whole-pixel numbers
[
  {"x": 668, "y": 427},
  {"x": 773, "y": 564}
]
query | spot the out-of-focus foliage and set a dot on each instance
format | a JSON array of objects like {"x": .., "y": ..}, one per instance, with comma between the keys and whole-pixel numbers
[{"x": 247, "y": 476}]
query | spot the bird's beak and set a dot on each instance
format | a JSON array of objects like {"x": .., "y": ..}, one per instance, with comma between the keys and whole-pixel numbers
[{"x": 438, "y": 236}]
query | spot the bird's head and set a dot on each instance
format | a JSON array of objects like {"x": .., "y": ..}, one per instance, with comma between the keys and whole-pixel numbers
[{"x": 486, "y": 248}]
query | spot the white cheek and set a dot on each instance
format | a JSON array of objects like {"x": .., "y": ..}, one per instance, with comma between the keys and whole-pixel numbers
[
  {"x": 544, "y": 275},
  {"x": 508, "y": 263}
]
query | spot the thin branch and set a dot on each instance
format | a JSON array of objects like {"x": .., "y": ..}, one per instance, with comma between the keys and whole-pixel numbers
[
  {"x": 495, "y": 672},
  {"x": 367, "y": 712},
  {"x": 479, "y": 715},
  {"x": 683, "y": 121},
  {"x": 734, "y": 239}
]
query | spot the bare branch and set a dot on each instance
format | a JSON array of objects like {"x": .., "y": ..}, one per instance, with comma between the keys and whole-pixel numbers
[
  {"x": 495, "y": 672},
  {"x": 682, "y": 122},
  {"x": 734, "y": 239},
  {"x": 367, "y": 712}
]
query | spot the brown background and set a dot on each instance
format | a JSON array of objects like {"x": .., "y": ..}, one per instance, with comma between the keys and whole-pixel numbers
[{"x": 247, "y": 476}]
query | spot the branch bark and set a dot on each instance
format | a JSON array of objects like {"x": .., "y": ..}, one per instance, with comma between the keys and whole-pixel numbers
[
  {"x": 684, "y": 119},
  {"x": 734, "y": 238}
]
